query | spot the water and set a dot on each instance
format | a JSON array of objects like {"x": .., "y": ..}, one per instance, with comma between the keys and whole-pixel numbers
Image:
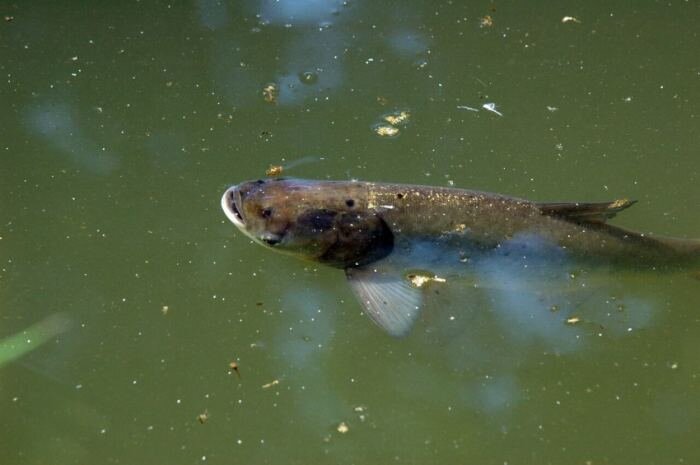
[{"x": 122, "y": 125}]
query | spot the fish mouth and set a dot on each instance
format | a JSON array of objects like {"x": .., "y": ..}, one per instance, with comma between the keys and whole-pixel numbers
[{"x": 228, "y": 205}]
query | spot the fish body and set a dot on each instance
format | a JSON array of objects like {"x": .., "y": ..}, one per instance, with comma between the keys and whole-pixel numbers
[{"x": 379, "y": 232}]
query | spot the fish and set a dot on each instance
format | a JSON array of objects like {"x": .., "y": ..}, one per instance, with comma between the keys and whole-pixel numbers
[{"x": 396, "y": 241}]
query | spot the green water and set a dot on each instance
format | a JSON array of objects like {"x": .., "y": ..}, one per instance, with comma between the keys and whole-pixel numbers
[{"x": 123, "y": 123}]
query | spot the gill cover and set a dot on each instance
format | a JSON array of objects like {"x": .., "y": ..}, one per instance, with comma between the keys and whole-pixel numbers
[{"x": 348, "y": 239}]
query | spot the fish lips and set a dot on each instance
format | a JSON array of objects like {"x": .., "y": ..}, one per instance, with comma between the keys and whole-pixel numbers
[{"x": 229, "y": 204}]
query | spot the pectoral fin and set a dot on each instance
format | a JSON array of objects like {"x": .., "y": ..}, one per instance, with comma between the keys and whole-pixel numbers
[
  {"x": 387, "y": 297},
  {"x": 585, "y": 212}
]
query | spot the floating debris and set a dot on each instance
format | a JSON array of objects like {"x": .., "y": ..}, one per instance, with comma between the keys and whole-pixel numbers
[
  {"x": 492, "y": 108},
  {"x": 361, "y": 410},
  {"x": 274, "y": 170},
  {"x": 385, "y": 130},
  {"x": 270, "y": 93},
  {"x": 343, "y": 428},
  {"x": 203, "y": 417},
  {"x": 552, "y": 109},
  {"x": 397, "y": 118},
  {"x": 308, "y": 77},
  {"x": 486, "y": 21},
  {"x": 274, "y": 382},
  {"x": 420, "y": 280},
  {"x": 9, "y": 18},
  {"x": 164, "y": 310},
  {"x": 570, "y": 19},
  {"x": 573, "y": 320},
  {"x": 383, "y": 101},
  {"x": 234, "y": 367},
  {"x": 465, "y": 107}
]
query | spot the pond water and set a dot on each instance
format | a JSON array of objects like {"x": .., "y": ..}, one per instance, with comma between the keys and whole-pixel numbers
[{"x": 137, "y": 325}]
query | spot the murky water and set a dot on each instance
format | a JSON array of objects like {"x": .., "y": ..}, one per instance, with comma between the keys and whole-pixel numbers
[{"x": 124, "y": 123}]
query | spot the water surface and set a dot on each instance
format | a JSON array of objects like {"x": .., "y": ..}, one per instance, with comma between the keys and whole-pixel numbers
[{"x": 124, "y": 123}]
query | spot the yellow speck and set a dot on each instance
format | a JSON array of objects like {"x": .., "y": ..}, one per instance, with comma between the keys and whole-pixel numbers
[
  {"x": 343, "y": 428},
  {"x": 203, "y": 417},
  {"x": 384, "y": 130},
  {"x": 270, "y": 92},
  {"x": 619, "y": 203},
  {"x": 573, "y": 320},
  {"x": 420, "y": 280},
  {"x": 164, "y": 310},
  {"x": 274, "y": 170},
  {"x": 397, "y": 118},
  {"x": 486, "y": 21}
]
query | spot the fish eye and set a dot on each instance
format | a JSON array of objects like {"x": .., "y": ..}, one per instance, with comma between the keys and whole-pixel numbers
[{"x": 266, "y": 212}]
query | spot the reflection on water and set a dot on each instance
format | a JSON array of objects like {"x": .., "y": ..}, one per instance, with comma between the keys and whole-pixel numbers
[
  {"x": 500, "y": 316},
  {"x": 55, "y": 122},
  {"x": 298, "y": 12}
]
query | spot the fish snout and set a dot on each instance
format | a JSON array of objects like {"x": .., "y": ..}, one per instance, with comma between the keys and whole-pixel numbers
[{"x": 230, "y": 203}]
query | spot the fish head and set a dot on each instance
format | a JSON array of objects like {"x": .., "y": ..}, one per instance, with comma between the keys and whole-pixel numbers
[{"x": 317, "y": 220}]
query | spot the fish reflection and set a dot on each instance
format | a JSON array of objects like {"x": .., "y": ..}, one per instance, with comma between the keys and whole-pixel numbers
[{"x": 400, "y": 245}]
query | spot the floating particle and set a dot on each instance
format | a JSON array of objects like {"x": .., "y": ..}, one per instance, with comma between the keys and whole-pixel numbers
[
  {"x": 343, "y": 427},
  {"x": 274, "y": 170},
  {"x": 203, "y": 417},
  {"x": 308, "y": 78},
  {"x": 492, "y": 108},
  {"x": 573, "y": 320},
  {"x": 234, "y": 367},
  {"x": 164, "y": 310},
  {"x": 486, "y": 21},
  {"x": 397, "y": 118},
  {"x": 270, "y": 93},
  {"x": 383, "y": 101},
  {"x": 9, "y": 18},
  {"x": 420, "y": 280},
  {"x": 465, "y": 107},
  {"x": 274, "y": 382},
  {"x": 385, "y": 130},
  {"x": 570, "y": 19}
]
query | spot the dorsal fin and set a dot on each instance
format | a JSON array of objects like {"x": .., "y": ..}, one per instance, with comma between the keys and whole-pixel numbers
[{"x": 585, "y": 212}]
